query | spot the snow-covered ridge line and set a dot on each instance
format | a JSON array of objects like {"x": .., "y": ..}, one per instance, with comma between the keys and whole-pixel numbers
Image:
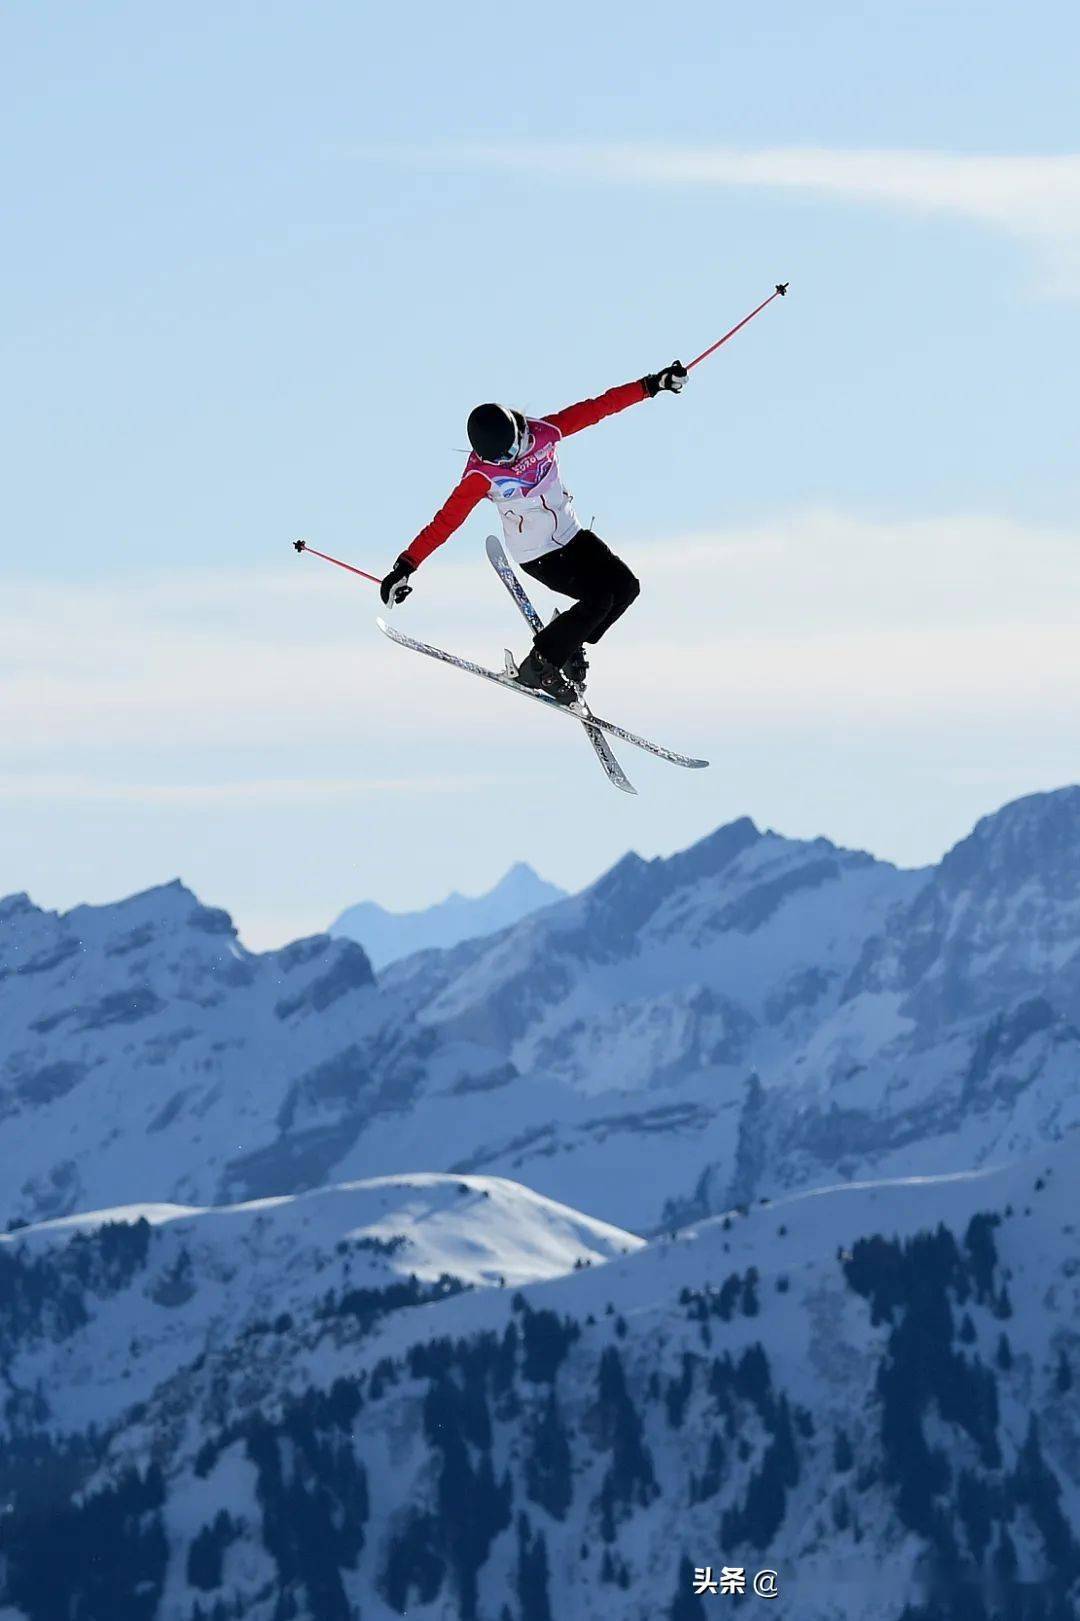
[
  {"x": 478, "y": 1229},
  {"x": 870, "y": 1185},
  {"x": 797, "y": 1235},
  {"x": 157, "y": 1215}
]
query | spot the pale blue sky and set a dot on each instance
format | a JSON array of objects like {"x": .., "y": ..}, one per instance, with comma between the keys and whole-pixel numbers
[{"x": 260, "y": 261}]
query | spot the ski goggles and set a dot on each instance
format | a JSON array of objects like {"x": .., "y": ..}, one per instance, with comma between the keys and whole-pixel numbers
[{"x": 520, "y": 444}]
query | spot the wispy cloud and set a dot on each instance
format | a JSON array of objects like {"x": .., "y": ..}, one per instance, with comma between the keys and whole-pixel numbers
[
  {"x": 808, "y": 615},
  {"x": 181, "y": 723},
  {"x": 211, "y": 659},
  {"x": 1030, "y": 197},
  {"x": 256, "y": 791}
]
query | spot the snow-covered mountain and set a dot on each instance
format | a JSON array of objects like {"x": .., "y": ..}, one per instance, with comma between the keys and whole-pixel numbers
[
  {"x": 753, "y": 1015},
  {"x": 388, "y": 936},
  {"x": 334, "y": 1300},
  {"x": 480, "y": 1229},
  {"x": 870, "y": 1390}
]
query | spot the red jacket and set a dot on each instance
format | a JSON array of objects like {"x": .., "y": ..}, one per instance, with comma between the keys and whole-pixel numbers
[{"x": 523, "y": 488}]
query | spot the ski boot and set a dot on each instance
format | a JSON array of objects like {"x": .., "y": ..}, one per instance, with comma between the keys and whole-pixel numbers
[
  {"x": 538, "y": 673},
  {"x": 576, "y": 668}
]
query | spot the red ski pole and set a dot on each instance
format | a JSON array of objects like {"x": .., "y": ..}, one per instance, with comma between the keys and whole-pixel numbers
[
  {"x": 302, "y": 546},
  {"x": 781, "y": 289}
]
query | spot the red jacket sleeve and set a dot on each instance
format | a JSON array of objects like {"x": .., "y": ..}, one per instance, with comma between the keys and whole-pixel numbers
[
  {"x": 588, "y": 412},
  {"x": 471, "y": 488}
]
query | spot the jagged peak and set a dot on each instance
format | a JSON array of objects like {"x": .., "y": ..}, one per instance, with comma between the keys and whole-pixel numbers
[
  {"x": 708, "y": 856},
  {"x": 172, "y": 905},
  {"x": 1031, "y": 810},
  {"x": 171, "y": 896},
  {"x": 714, "y": 852},
  {"x": 741, "y": 826},
  {"x": 626, "y": 868},
  {"x": 17, "y": 905},
  {"x": 520, "y": 873},
  {"x": 1036, "y": 836}
]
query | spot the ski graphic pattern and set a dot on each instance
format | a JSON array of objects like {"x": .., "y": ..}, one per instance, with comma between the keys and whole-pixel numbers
[
  {"x": 501, "y": 564},
  {"x": 570, "y": 711}
]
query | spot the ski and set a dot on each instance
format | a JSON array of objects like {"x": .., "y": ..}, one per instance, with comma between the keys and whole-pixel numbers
[
  {"x": 571, "y": 711},
  {"x": 501, "y": 564}
]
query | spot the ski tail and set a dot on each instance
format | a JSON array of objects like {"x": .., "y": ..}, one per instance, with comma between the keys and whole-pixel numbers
[{"x": 501, "y": 564}]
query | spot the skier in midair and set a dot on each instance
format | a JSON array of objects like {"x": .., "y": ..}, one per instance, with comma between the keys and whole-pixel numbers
[{"x": 514, "y": 462}]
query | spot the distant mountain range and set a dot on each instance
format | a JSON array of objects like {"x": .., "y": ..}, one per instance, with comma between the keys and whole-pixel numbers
[
  {"x": 754, "y": 1015},
  {"x": 721, "y": 1215},
  {"x": 388, "y": 936}
]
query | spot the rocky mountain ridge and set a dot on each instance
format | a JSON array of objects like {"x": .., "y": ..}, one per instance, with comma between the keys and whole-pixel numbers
[{"x": 752, "y": 1015}]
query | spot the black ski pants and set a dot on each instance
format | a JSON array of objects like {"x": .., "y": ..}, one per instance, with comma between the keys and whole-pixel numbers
[{"x": 602, "y": 584}]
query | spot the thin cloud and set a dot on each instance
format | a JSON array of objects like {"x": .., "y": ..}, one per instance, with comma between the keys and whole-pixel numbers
[
  {"x": 813, "y": 637},
  {"x": 1030, "y": 197},
  {"x": 261, "y": 791},
  {"x": 812, "y": 614}
]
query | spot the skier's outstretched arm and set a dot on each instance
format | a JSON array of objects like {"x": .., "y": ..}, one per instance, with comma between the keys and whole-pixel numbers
[
  {"x": 466, "y": 494},
  {"x": 470, "y": 489},
  {"x": 586, "y": 413}
]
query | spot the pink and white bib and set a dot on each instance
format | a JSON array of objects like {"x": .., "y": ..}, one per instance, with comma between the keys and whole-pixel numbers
[{"x": 536, "y": 508}]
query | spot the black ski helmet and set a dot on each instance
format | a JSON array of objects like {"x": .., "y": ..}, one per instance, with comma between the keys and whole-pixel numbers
[{"x": 495, "y": 431}]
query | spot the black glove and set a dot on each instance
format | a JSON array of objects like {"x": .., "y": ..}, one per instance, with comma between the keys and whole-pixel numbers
[
  {"x": 669, "y": 378},
  {"x": 393, "y": 589}
]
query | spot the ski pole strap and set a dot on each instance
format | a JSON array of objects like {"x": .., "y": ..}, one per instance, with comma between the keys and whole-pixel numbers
[
  {"x": 781, "y": 289},
  {"x": 302, "y": 546}
]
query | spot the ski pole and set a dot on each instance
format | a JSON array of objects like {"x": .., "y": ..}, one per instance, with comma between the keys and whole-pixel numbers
[
  {"x": 781, "y": 289},
  {"x": 302, "y": 546}
]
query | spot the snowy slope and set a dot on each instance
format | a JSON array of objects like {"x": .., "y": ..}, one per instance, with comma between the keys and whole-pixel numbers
[
  {"x": 479, "y": 1229},
  {"x": 725, "y": 1397},
  {"x": 215, "y": 1272},
  {"x": 389, "y": 936},
  {"x": 753, "y": 1015}
]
